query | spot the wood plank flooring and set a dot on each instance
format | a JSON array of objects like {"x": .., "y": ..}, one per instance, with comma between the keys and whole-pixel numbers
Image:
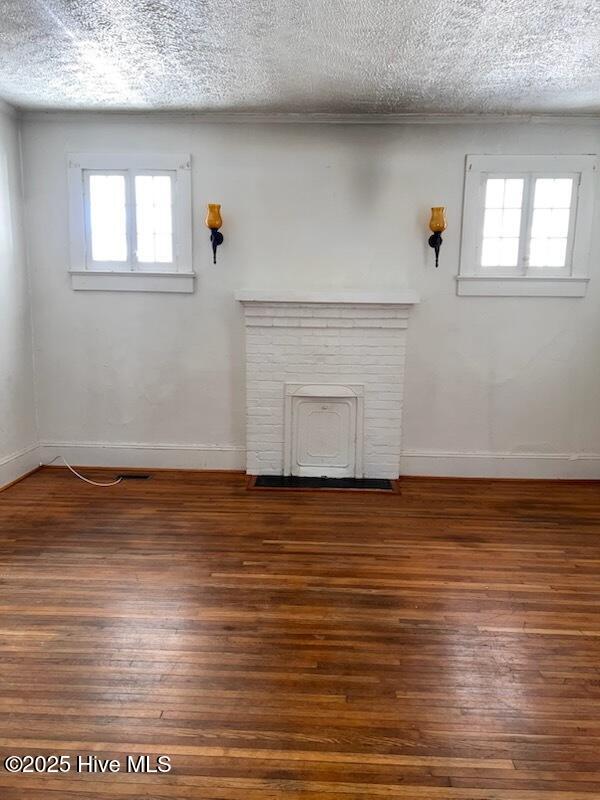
[{"x": 438, "y": 644}]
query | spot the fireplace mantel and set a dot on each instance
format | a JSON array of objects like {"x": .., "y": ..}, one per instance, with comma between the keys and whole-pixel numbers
[{"x": 399, "y": 297}]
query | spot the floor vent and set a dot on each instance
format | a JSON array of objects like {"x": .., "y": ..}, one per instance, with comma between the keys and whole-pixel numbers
[
  {"x": 293, "y": 482},
  {"x": 134, "y": 476}
]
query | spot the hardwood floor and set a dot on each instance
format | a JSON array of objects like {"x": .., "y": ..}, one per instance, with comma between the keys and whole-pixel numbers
[{"x": 438, "y": 644}]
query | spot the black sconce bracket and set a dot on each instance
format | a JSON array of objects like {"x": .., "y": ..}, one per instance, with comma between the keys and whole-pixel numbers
[
  {"x": 216, "y": 237},
  {"x": 435, "y": 241}
]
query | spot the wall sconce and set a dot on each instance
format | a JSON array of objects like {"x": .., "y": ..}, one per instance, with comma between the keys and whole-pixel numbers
[
  {"x": 437, "y": 224},
  {"x": 214, "y": 222}
]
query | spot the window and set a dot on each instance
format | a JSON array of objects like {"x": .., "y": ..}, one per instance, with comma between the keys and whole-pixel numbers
[
  {"x": 130, "y": 222},
  {"x": 142, "y": 242},
  {"x": 526, "y": 225}
]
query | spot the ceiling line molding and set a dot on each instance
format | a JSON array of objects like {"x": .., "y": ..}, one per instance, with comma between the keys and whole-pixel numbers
[{"x": 29, "y": 115}]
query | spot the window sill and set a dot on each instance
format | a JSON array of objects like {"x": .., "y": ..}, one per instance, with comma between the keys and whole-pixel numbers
[
  {"x": 88, "y": 280},
  {"x": 505, "y": 286}
]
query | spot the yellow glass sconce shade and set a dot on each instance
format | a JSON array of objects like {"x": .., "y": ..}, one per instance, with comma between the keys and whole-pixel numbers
[
  {"x": 214, "y": 222},
  {"x": 213, "y": 216},
  {"x": 437, "y": 224}
]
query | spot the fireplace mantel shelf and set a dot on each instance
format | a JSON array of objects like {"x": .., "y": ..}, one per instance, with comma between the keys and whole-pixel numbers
[{"x": 396, "y": 298}]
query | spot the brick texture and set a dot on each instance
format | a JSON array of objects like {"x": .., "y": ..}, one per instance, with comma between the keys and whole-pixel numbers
[{"x": 325, "y": 343}]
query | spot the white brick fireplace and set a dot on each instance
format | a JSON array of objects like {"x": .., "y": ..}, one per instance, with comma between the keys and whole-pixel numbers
[{"x": 325, "y": 381}]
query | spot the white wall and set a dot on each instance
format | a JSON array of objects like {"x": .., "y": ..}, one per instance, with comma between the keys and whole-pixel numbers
[
  {"x": 18, "y": 435},
  {"x": 494, "y": 385}
]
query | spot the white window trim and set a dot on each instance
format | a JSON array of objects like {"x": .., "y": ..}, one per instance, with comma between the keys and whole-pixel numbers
[
  {"x": 476, "y": 281},
  {"x": 180, "y": 276}
]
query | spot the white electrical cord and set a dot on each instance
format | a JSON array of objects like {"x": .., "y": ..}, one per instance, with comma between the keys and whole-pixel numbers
[{"x": 87, "y": 480}]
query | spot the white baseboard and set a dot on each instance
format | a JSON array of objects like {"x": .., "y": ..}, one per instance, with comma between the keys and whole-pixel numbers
[
  {"x": 143, "y": 455},
  {"x": 213, "y": 456},
  {"x": 501, "y": 465},
  {"x": 18, "y": 464}
]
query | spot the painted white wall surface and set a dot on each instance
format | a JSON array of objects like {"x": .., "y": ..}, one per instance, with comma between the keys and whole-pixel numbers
[
  {"x": 494, "y": 386},
  {"x": 18, "y": 435}
]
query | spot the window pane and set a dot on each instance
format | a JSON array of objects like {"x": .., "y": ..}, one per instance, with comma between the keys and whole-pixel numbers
[
  {"x": 163, "y": 248},
  {"x": 541, "y": 225},
  {"x": 500, "y": 252},
  {"x": 553, "y": 192},
  {"x": 537, "y": 253},
  {"x": 490, "y": 253},
  {"x": 154, "y": 219},
  {"x": 560, "y": 222},
  {"x": 509, "y": 252},
  {"x": 513, "y": 193},
  {"x": 504, "y": 193},
  {"x": 498, "y": 222},
  {"x": 494, "y": 193},
  {"x": 502, "y": 222},
  {"x": 492, "y": 222},
  {"x": 511, "y": 222},
  {"x": 108, "y": 218},
  {"x": 550, "y": 222},
  {"x": 556, "y": 251},
  {"x": 548, "y": 252}
]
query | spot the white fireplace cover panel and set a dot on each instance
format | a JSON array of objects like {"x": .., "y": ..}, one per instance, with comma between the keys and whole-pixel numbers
[
  {"x": 323, "y": 437},
  {"x": 324, "y": 430}
]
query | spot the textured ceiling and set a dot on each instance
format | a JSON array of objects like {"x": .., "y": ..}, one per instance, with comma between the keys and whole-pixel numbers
[{"x": 334, "y": 56}]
